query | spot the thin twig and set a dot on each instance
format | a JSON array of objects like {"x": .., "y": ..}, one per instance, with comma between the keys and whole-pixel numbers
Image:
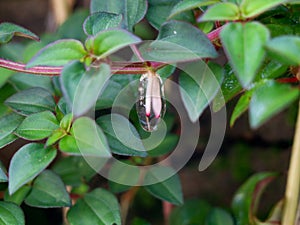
[{"x": 293, "y": 180}]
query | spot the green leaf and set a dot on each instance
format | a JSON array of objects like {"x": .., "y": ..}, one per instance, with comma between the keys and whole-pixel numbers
[
  {"x": 243, "y": 45},
  {"x": 10, "y": 214},
  {"x": 7, "y": 140},
  {"x": 8, "y": 30},
  {"x": 269, "y": 99},
  {"x": 3, "y": 172},
  {"x": 59, "y": 53},
  {"x": 109, "y": 41},
  {"x": 221, "y": 11},
  {"x": 90, "y": 139},
  {"x": 192, "y": 212},
  {"x": 55, "y": 136},
  {"x": 190, "y": 4},
  {"x": 241, "y": 106},
  {"x": 139, "y": 221},
  {"x": 158, "y": 12},
  {"x": 229, "y": 88},
  {"x": 37, "y": 126},
  {"x": 19, "y": 196},
  {"x": 252, "y": 8},
  {"x": 6, "y": 91},
  {"x": 48, "y": 191},
  {"x": 9, "y": 123},
  {"x": 101, "y": 21},
  {"x": 166, "y": 146},
  {"x": 246, "y": 199},
  {"x": 30, "y": 101},
  {"x": 219, "y": 216},
  {"x": 5, "y": 75},
  {"x": 73, "y": 170},
  {"x": 132, "y": 10},
  {"x": 97, "y": 207},
  {"x": 66, "y": 122},
  {"x": 27, "y": 163},
  {"x": 69, "y": 146},
  {"x": 272, "y": 70},
  {"x": 285, "y": 49},
  {"x": 199, "y": 85},
  {"x": 169, "y": 189},
  {"x": 121, "y": 135}
]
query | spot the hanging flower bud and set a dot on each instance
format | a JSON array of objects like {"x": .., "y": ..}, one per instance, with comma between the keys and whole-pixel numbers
[{"x": 151, "y": 103}]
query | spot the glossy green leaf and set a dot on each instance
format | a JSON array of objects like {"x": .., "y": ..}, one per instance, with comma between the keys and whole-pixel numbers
[
  {"x": 285, "y": 49},
  {"x": 109, "y": 41},
  {"x": 121, "y": 135},
  {"x": 192, "y": 212},
  {"x": 269, "y": 99},
  {"x": 190, "y": 4},
  {"x": 100, "y": 21},
  {"x": 97, "y": 207},
  {"x": 55, "y": 136},
  {"x": 19, "y": 196},
  {"x": 6, "y": 91},
  {"x": 179, "y": 41},
  {"x": 244, "y": 46},
  {"x": 166, "y": 146},
  {"x": 5, "y": 75},
  {"x": 158, "y": 13},
  {"x": 218, "y": 216},
  {"x": 272, "y": 70},
  {"x": 30, "y": 101},
  {"x": 8, "y": 30},
  {"x": 90, "y": 139},
  {"x": 7, "y": 140},
  {"x": 229, "y": 88},
  {"x": 37, "y": 126},
  {"x": 199, "y": 85},
  {"x": 251, "y": 8},
  {"x": 3, "y": 172},
  {"x": 9, "y": 123},
  {"x": 24, "y": 167},
  {"x": 132, "y": 10},
  {"x": 66, "y": 122},
  {"x": 48, "y": 191},
  {"x": 59, "y": 53},
  {"x": 241, "y": 106},
  {"x": 247, "y": 197},
  {"x": 10, "y": 214},
  {"x": 221, "y": 11},
  {"x": 69, "y": 146},
  {"x": 169, "y": 189},
  {"x": 73, "y": 170}
]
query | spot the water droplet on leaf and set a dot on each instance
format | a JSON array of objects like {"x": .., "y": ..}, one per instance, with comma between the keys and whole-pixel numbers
[{"x": 151, "y": 104}]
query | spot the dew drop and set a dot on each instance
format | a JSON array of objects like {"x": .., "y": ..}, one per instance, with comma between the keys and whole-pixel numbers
[{"x": 151, "y": 104}]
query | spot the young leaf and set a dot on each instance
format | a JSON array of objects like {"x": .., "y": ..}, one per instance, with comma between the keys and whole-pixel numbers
[
  {"x": 158, "y": 12},
  {"x": 109, "y": 41},
  {"x": 8, "y": 30},
  {"x": 27, "y": 163},
  {"x": 241, "y": 106},
  {"x": 19, "y": 196},
  {"x": 221, "y": 12},
  {"x": 59, "y": 53},
  {"x": 10, "y": 214},
  {"x": 48, "y": 191},
  {"x": 55, "y": 136},
  {"x": 132, "y": 10},
  {"x": 218, "y": 216},
  {"x": 179, "y": 41},
  {"x": 269, "y": 99},
  {"x": 73, "y": 170},
  {"x": 90, "y": 139},
  {"x": 243, "y": 45},
  {"x": 100, "y": 21},
  {"x": 199, "y": 85},
  {"x": 285, "y": 49},
  {"x": 123, "y": 141},
  {"x": 30, "y": 101},
  {"x": 190, "y": 4},
  {"x": 96, "y": 207},
  {"x": 69, "y": 146},
  {"x": 252, "y": 8},
  {"x": 9, "y": 123},
  {"x": 169, "y": 189},
  {"x": 37, "y": 126},
  {"x": 246, "y": 199}
]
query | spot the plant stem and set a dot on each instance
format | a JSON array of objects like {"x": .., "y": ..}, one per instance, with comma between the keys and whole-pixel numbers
[
  {"x": 116, "y": 67},
  {"x": 293, "y": 180},
  {"x": 126, "y": 201}
]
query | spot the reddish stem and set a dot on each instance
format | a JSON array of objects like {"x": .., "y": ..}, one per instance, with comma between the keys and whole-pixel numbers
[{"x": 214, "y": 35}]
